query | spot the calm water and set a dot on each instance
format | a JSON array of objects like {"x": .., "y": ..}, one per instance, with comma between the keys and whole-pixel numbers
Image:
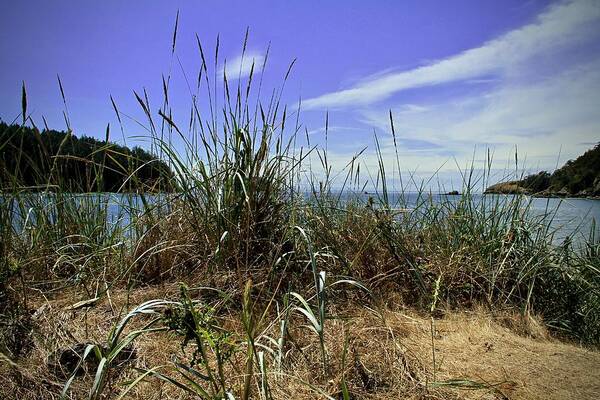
[{"x": 571, "y": 217}]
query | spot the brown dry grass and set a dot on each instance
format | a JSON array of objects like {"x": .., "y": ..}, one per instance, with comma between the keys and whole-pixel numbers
[
  {"x": 476, "y": 346},
  {"x": 389, "y": 354}
]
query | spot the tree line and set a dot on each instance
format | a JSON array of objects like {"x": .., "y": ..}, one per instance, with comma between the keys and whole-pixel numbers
[
  {"x": 50, "y": 160},
  {"x": 577, "y": 177}
]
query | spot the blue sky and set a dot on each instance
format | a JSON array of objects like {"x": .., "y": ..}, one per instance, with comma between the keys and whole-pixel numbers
[{"x": 459, "y": 77}]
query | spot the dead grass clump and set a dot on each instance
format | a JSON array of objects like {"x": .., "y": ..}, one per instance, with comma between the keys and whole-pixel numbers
[{"x": 526, "y": 325}]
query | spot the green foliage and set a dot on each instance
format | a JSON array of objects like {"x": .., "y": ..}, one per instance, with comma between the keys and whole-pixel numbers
[
  {"x": 50, "y": 159},
  {"x": 195, "y": 323},
  {"x": 579, "y": 176},
  {"x": 117, "y": 344},
  {"x": 537, "y": 182}
]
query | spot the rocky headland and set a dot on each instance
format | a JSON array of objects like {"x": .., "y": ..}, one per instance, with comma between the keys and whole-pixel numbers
[{"x": 577, "y": 178}]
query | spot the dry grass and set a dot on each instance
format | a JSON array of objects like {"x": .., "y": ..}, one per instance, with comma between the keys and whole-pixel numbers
[
  {"x": 389, "y": 354},
  {"x": 476, "y": 345}
]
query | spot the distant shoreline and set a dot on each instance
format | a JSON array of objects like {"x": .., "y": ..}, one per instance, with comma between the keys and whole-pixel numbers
[
  {"x": 579, "y": 178},
  {"x": 514, "y": 187}
]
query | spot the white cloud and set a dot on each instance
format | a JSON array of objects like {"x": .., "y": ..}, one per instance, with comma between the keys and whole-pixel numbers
[
  {"x": 240, "y": 66},
  {"x": 412, "y": 109},
  {"x": 536, "y": 88},
  {"x": 334, "y": 129},
  {"x": 540, "y": 118},
  {"x": 549, "y": 121},
  {"x": 560, "y": 26}
]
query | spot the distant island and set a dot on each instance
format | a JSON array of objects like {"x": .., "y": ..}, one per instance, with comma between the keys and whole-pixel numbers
[
  {"x": 51, "y": 159},
  {"x": 577, "y": 178}
]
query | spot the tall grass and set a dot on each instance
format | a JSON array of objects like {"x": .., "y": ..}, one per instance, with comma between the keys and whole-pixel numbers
[{"x": 250, "y": 206}]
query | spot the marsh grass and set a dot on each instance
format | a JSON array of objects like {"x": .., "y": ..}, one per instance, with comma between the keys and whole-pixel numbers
[{"x": 253, "y": 221}]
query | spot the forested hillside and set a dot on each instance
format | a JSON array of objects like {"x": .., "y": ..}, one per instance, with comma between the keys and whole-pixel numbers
[
  {"x": 579, "y": 177},
  {"x": 50, "y": 159}
]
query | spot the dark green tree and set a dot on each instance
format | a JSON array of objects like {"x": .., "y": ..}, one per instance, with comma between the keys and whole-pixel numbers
[{"x": 50, "y": 159}]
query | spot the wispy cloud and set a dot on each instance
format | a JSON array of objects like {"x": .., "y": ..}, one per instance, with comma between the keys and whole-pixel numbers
[
  {"x": 539, "y": 117},
  {"x": 560, "y": 26},
  {"x": 241, "y": 66},
  {"x": 334, "y": 129},
  {"x": 412, "y": 109}
]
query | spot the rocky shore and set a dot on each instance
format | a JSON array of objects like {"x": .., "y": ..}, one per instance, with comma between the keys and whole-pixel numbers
[{"x": 517, "y": 187}]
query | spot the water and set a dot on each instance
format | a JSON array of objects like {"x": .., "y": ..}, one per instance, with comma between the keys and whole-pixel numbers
[
  {"x": 572, "y": 218},
  {"x": 115, "y": 209}
]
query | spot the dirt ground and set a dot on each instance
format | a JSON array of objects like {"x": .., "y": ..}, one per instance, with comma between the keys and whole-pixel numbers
[
  {"x": 390, "y": 354},
  {"x": 484, "y": 349}
]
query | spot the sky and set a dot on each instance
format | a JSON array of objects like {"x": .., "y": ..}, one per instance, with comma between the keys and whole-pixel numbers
[{"x": 460, "y": 78}]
